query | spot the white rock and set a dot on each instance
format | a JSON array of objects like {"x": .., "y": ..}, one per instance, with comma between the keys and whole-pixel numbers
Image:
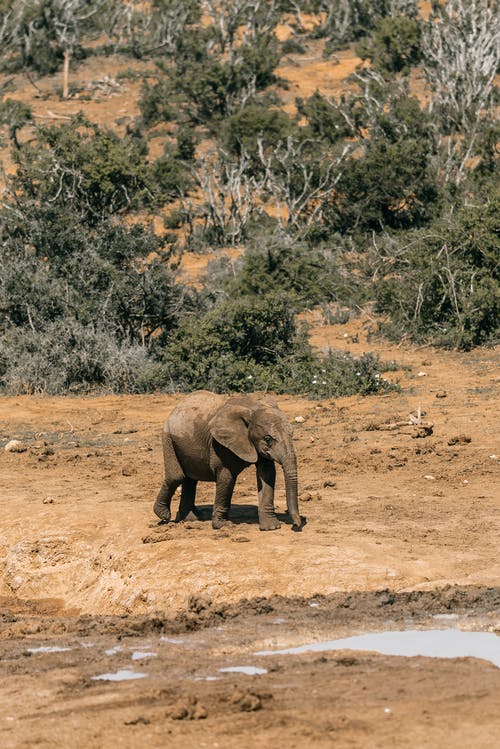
[
  {"x": 15, "y": 446},
  {"x": 299, "y": 419}
]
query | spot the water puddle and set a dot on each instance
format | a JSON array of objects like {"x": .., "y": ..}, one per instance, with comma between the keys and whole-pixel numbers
[
  {"x": 171, "y": 640},
  {"x": 436, "y": 643},
  {"x": 123, "y": 675},
  {"x": 47, "y": 649},
  {"x": 113, "y": 651},
  {"x": 139, "y": 655},
  {"x": 249, "y": 670}
]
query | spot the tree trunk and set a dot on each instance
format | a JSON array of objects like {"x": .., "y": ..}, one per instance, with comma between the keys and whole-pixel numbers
[{"x": 67, "y": 59}]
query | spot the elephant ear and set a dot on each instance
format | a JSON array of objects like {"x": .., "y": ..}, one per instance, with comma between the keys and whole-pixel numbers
[{"x": 229, "y": 427}]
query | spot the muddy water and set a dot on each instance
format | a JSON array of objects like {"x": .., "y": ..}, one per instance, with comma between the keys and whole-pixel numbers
[
  {"x": 435, "y": 643},
  {"x": 201, "y": 679}
]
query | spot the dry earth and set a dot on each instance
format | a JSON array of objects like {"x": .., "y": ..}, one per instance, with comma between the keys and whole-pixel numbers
[{"x": 398, "y": 529}]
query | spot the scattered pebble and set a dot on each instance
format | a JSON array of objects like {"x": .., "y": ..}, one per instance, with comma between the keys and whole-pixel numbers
[
  {"x": 429, "y": 477},
  {"x": 128, "y": 470},
  {"x": 15, "y": 446},
  {"x": 329, "y": 483},
  {"x": 299, "y": 419},
  {"x": 187, "y": 708},
  {"x": 48, "y": 500},
  {"x": 422, "y": 374},
  {"x": 308, "y": 497},
  {"x": 460, "y": 439},
  {"x": 441, "y": 394},
  {"x": 246, "y": 701}
]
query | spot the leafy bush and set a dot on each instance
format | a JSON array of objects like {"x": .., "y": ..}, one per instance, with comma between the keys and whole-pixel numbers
[
  {"x": 311, "y": 275},
  {"x": 393, "y": 185},
  {"x": 254, "y": 344},
  {"x": 394, "y": 45},
  {"x": 110, "y": 276},
  {"x": 85, "y": 167},
  {"x": 442, "y": 284},
  {"x": 327, "y": 119},
  {"x": 242, "y": 130}
]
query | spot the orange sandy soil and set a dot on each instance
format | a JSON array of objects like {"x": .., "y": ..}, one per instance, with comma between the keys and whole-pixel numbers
[{"x": 384, "y": 511}]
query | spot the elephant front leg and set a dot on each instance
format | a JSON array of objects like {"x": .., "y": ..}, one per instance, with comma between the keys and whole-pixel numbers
[
  {"x": 224, "y": 486},
  {"x": 266, "y": 479}
]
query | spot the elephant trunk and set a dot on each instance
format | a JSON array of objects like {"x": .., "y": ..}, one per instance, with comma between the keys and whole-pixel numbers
[{"x": 289, "y": 465}]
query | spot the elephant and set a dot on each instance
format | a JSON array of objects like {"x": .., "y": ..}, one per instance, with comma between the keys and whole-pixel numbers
[{"x": 212, "y": 437}]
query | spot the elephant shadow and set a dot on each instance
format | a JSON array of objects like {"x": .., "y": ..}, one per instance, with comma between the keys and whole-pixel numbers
[{"x": 241, "y": 514}]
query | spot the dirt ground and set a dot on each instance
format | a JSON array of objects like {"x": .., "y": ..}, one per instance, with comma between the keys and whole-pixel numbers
[{"x": 399, "y": 529}]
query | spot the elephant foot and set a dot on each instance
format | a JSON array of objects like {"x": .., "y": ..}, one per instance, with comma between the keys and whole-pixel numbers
[
  {"x": 163, "y": 512},
  {"x": 218, "y": 523},
  {"x": 269, "y": 524}
]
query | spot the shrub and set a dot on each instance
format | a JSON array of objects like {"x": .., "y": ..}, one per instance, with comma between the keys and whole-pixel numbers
[
  {"x": 394, "y": 46},
  {"x": 310, "y": 275},
  {"x": 392, "y": 185},
  {"x": 85, "y": 167},
  {"x": 327, "y": 119},
  {"x": 111, "y": 276},
  {"x": 242, "y": 130},
  {"x": 67, "y": 356},
  {"x": 442, "y": 284},
  {"x": 254, "y": 344}
]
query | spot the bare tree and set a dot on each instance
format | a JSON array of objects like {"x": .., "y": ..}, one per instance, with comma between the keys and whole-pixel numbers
[
  {"x": 154, "y": 26},
  {"x": 65, "y": 22},
  {"x": 230, "y": 196},
  {"x": 461, "y": 54},
  {"x": 238, "y": 22},
  {"x": 300, "y": 187}
]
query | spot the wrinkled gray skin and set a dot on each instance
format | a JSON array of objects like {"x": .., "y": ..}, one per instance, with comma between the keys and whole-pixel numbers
[{"x": 210, "y": 437}]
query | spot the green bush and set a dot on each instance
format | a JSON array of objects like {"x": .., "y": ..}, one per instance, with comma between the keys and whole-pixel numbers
[
  {"x": 326, "y": 118},
  {"x": 242, "y": 130},
  {"x": 310, "y": 275},
  {"x": 394, "y": 45},
  {"x": 52, "y": 267},
  {"x": 393, "y": 185},
  {"x": 442, "y": 284},
  {"x": 253, "y": 343},
  {"x": 84, "y": 167}
]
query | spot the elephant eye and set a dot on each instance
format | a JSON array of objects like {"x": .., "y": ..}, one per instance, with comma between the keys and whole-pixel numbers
[{"x": 268, "y": 439}]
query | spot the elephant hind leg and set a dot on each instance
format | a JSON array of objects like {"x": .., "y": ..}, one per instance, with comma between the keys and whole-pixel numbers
[
  {"x": 188, "y": 495},
  {"x": 174, "y": 476},
  {"x": 162, "y": 505}
]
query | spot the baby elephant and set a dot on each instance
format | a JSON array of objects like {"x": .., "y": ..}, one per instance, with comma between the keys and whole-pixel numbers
[{"x": 210, "y": 437}]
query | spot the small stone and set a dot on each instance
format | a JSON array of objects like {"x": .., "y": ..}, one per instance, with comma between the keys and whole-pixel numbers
[
  {"x": 15, "y": 446},
  {"x": 329, "y": 483},
  {"x": 460, "y": 439},
  {"x": 441, "y": 394},
  {"x": 48, "y": 500},
  {"x": 422, "y": 374},
  {"x": 299, "y": 419},
  {"x": 429, "y": 477},
  {"x": 246, "y": 701},
  {"x": 128, "y": 470}
]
